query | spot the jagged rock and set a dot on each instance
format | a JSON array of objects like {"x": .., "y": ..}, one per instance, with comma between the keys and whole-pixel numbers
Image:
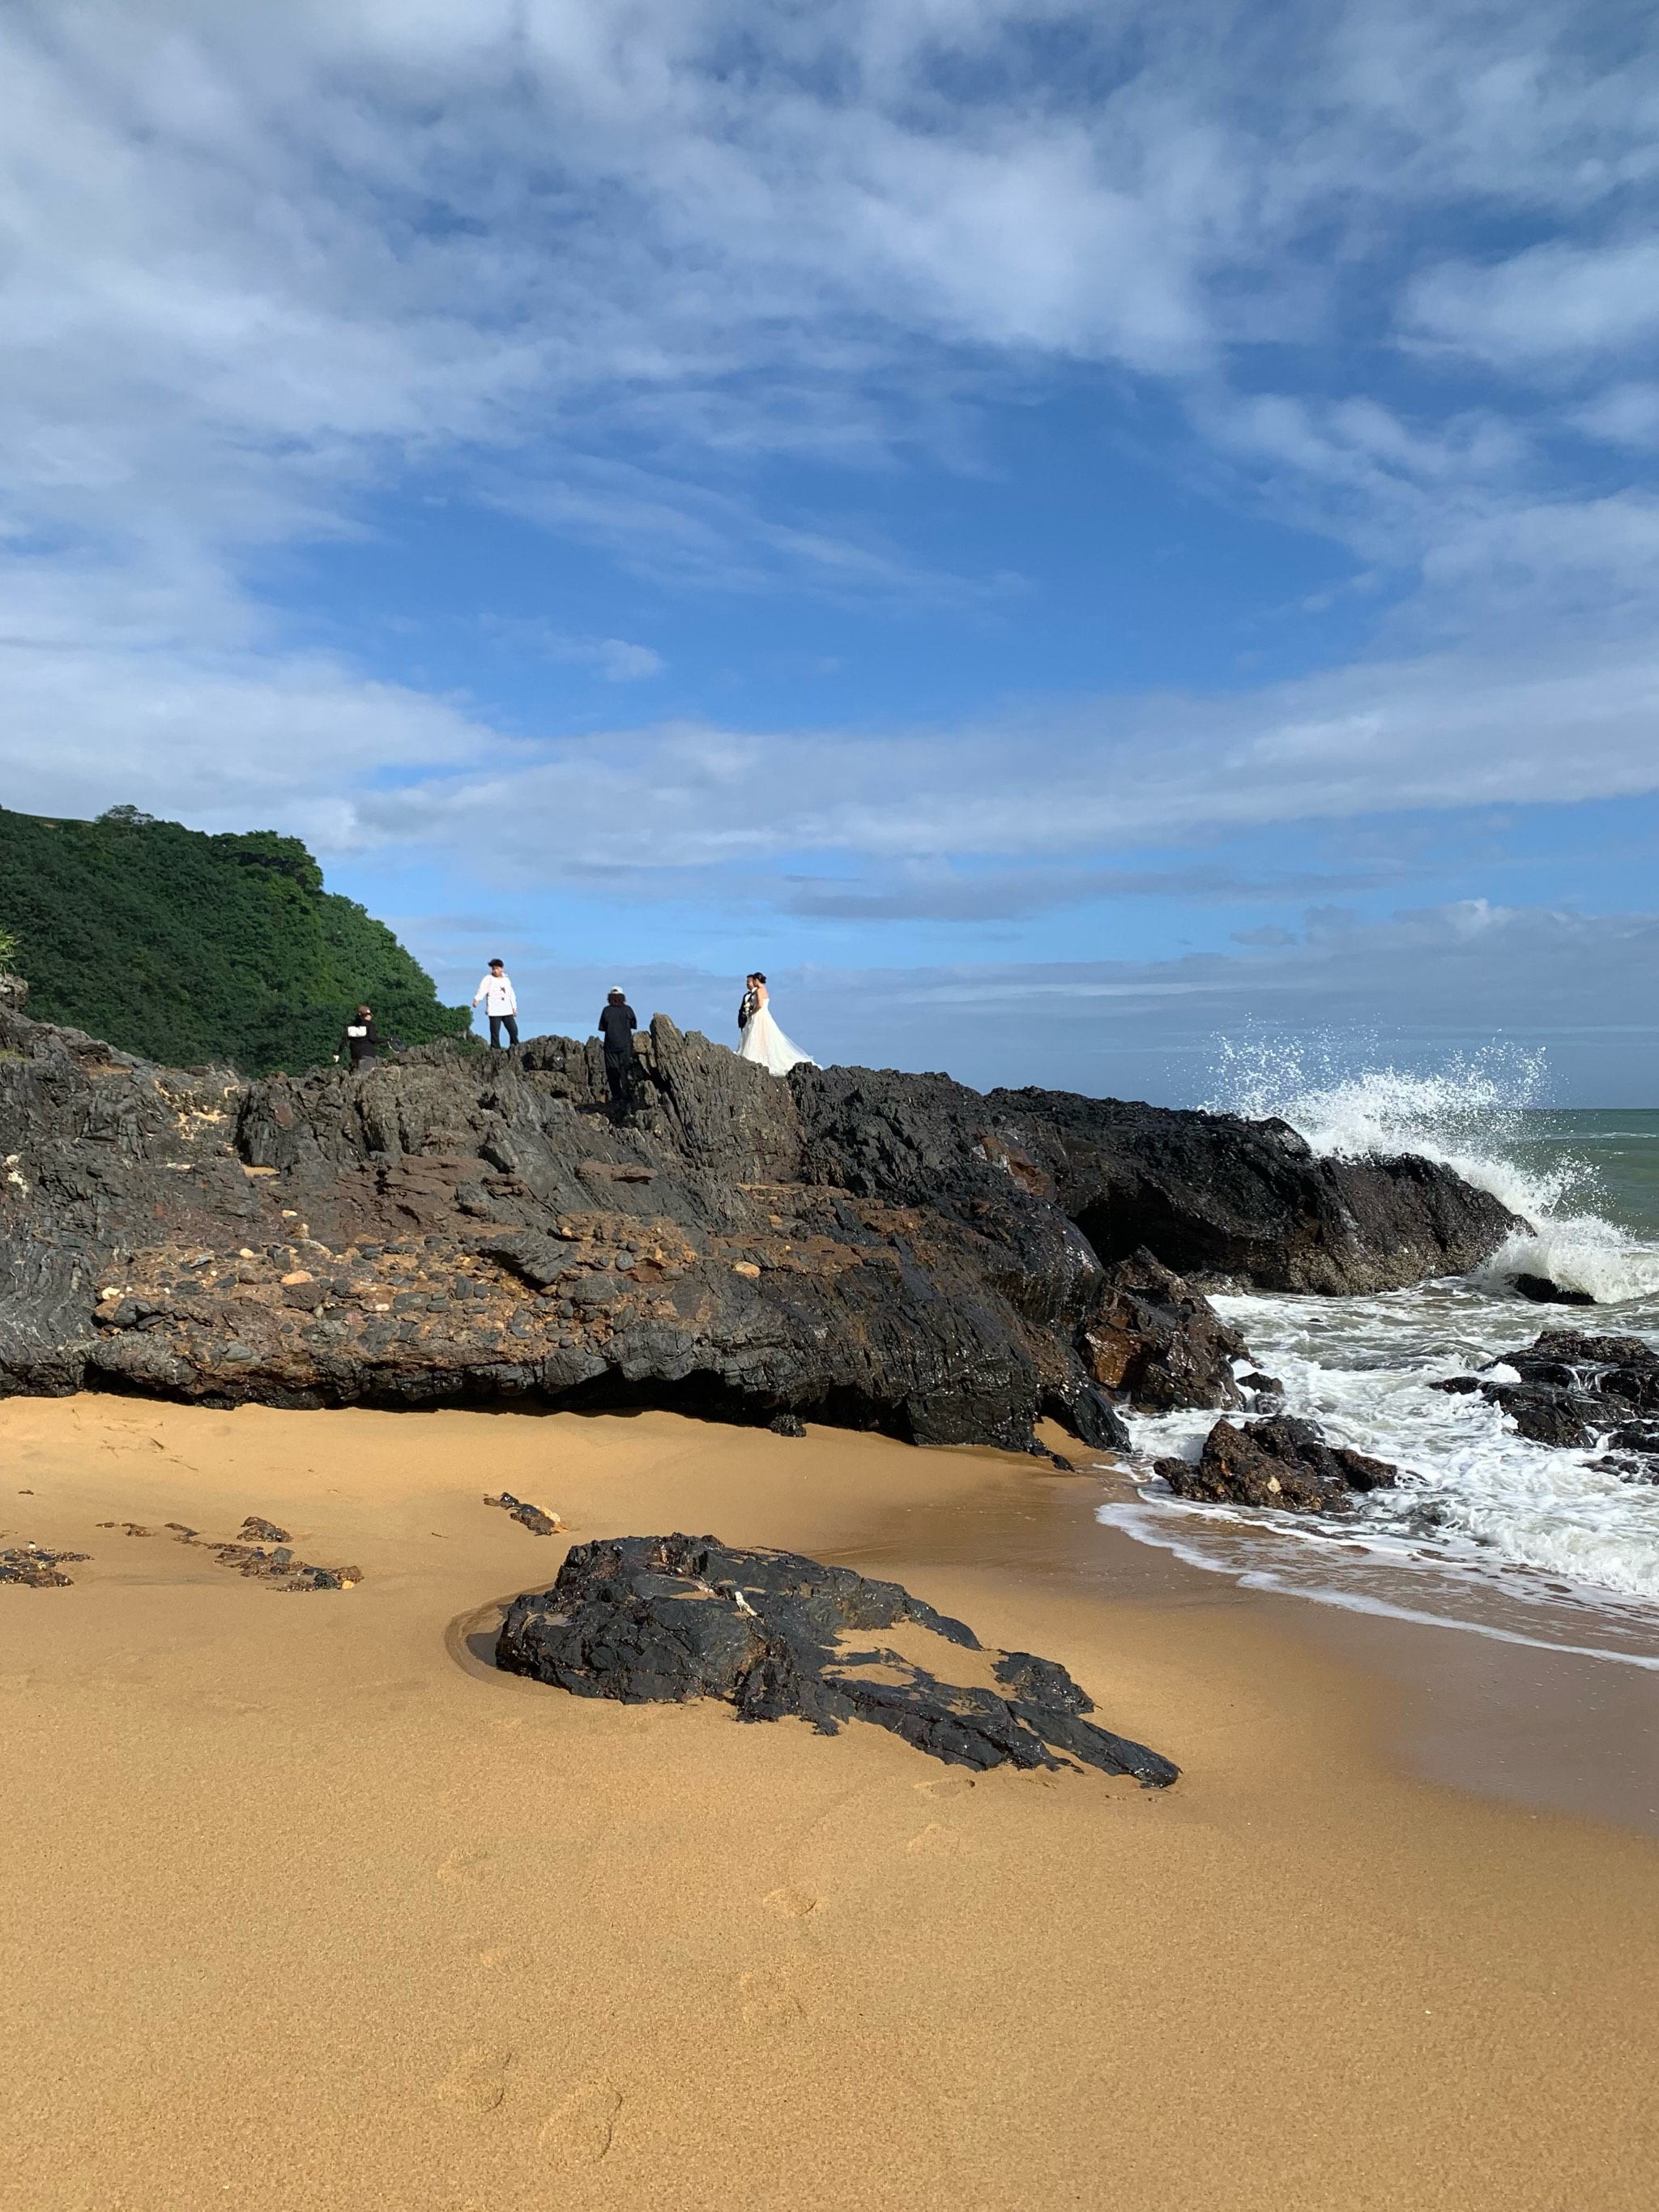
[
  {"x": 1572, "y": 1388},
  {"x": 875, "y": 1250},
  {"x": 263, "y": 1531},
  {"x": 1549, "y": 1417},
  {"x": 787, "y": 1424},
  {"x": 1158, "y": 1343},
  {"x": 1545, "y": 1292},
  {"x": 1097, "y": 1423},
  {"x": 1219, "y": 1200},
  {"x": 669, "y": 1618},
  {"x": 528, "y": 1516},
  {"x": 1282, "y": 1462}
]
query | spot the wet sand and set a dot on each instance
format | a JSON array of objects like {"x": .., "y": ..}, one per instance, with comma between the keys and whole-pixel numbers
[{"x": 305, "y": 1906}]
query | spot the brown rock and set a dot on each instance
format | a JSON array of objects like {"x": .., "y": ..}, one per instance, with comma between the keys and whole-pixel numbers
[
  {"x": 1283, "y": 1461},
  {"x": 1155, "y": 1342}
]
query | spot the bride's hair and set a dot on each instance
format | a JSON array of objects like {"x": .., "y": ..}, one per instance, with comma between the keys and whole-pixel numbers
[{"x": 756, "y": 977}]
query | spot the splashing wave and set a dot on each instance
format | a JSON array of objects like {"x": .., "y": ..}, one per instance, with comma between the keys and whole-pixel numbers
[{"x": 1470, "y": 1114}]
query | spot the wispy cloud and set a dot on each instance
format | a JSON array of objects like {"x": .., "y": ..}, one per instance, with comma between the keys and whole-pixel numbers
[{"x": 605, "y": 266}]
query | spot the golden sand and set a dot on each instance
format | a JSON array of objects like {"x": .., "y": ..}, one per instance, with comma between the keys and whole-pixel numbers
[{"x": 305, "y": 1906}]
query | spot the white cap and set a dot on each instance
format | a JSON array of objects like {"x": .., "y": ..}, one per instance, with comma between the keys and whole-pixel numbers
[{"x": 615, "y": 992}]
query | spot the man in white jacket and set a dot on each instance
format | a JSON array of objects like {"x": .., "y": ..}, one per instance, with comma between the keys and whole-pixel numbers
[{"x": 501, "y": 1003}]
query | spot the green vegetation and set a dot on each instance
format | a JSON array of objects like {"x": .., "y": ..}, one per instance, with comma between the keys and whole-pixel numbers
[{"x": 187, "y": 948}]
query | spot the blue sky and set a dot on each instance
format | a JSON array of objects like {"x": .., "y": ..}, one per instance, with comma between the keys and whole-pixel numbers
[{"x": 1063, "y": 533}]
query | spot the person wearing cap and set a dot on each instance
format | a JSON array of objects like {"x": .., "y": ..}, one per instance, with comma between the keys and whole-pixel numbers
[
  {"x": 362, "y": 1041},
  {"x": 501, "y": 1003},
  {"x": 617, "y": 1024}
]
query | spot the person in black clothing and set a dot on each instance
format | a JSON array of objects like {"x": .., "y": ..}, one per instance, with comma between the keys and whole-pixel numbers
[
  {"x": 617, "y": 1026},
  {"x": 362, "y": 1040}
]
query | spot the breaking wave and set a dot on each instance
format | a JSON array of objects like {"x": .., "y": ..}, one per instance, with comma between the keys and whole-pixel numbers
[
  {"x": 1471, "y": 1113},
  {"x": 1487, "y": 1530}
]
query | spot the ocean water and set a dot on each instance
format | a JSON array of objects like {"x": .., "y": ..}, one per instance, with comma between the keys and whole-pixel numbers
[{"x": 1486, "y": 1531}]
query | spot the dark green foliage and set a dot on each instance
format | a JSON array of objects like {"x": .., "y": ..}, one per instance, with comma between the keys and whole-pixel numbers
[{"x": 187, "y": 948}]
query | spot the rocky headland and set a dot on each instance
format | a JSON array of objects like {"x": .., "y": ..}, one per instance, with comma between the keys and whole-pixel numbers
[{"x": 860, "y": 1247}]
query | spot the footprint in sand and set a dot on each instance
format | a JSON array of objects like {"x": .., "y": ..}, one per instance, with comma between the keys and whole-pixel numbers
[
  {"x": 950, "y": 1785},
  {"x": 935, "y": 1842},
  {"x": 478, "y": 2079},
  {"x": 791, "y": 1904},
  {"x": 497, "y": 1955},
  {"x": 581, "y": 2132},
  {"x": 768, "y": 2000},
  {"x": 466, "y": 1868}
]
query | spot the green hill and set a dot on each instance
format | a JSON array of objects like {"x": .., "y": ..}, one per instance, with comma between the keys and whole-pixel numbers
[{"x": 187, "y": 947}]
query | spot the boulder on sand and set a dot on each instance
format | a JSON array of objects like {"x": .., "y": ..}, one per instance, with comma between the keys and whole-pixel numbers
[{"x": 667, "y": 1619}]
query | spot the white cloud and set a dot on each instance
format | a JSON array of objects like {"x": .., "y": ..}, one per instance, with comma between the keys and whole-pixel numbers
[
  {"x": 1439, "y": 732},
  {"x": 597, "y": 258},
  {"x": 1552, "y": 301}
]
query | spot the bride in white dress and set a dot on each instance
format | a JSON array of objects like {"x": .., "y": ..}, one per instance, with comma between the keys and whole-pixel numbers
[{"x": 763, "y": 1040}]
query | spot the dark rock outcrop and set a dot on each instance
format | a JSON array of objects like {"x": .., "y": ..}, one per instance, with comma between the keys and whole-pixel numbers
[
  {"x": 865, "y": 1249},
  {"x": 1574, "y": 1389},
  {"x": 1219, "y": 1200},
  {"x": 1155, "y": 1342},
  {"x": 1283, "y": 1461},
  {"x": 667, "y": 1619}
]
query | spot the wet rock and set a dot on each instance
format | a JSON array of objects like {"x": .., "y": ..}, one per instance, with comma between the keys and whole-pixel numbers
[
  {"x": 1097, "y": 1422},
  {"x": 35, "y": 1568},
  {"x": 1282, "y": 1462},
  {"x": 1263, "y": 1386},
  {"x": 669, "y": 1618},
  {"x": 1547, "y": 1416},
  {"x": 1545, "y": 1292},
  {"x": 1570, "y": 1387},
  {"x": 1158, "y": 1343},
  {"x": 528, "y": 1516}
]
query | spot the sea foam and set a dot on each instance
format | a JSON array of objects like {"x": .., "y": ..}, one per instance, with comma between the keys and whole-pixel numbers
[{"x": 1483, "y": 1517}]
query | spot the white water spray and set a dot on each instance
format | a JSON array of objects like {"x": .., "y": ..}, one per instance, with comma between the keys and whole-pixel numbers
[{"x": 1469, "y": 1113}]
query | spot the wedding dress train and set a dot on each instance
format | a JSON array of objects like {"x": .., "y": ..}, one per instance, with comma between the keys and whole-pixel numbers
[{"x": 763, "y": 1041}]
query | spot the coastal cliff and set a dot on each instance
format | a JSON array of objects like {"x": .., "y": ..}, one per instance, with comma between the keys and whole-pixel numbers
[{"x": 876, "y": 1250}]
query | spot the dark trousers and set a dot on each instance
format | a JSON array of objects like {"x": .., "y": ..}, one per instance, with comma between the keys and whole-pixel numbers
[
  {"x": 497, "y": 1023},
  {"x": 619, "y": 1073}
]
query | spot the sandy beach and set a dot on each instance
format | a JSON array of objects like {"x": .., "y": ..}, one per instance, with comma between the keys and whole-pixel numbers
[{"x": 306, "y": 1906}]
